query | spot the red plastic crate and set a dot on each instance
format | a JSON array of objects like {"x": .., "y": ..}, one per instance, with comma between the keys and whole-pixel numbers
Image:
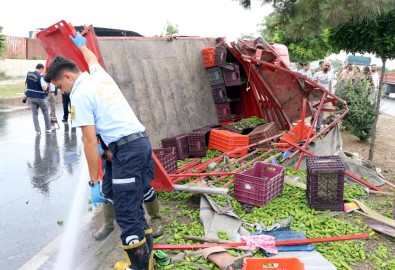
[
  {"x": 208, "y": 57},
  {"x": 273, "y": 264},
  {"x": 232, "y": 77},
  {"x": 260, "y": 184},
  {"x": 225, "y": 141},
  {"x": 297, "y": 134},
  {"x": 262, "y": 132},
  {"x": 180, "y": 142},
  {"x": 219, "y": 93},
  {"x": 325, "y": 183},
  {"x": 223, "y": 112},
  {"x": 56, "y": 42},
  {"x": 167, "y": 157}
]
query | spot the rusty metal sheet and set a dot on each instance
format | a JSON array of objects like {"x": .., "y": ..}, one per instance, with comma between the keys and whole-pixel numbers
[
  {"x": 34, "y": 50},
  {"x": 16, "y": 48}
]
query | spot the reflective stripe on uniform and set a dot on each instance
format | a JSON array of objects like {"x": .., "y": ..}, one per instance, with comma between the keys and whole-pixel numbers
[
  {"x": 37, "y": 91},
  {"x": 123, "y": 181},
  {"x": 149, "y": 194}
]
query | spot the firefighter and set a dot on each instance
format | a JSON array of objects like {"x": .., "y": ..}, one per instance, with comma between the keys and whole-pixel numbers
[
  {"x": 98, "y": 107},
  {"x": 151, "y": 201}
]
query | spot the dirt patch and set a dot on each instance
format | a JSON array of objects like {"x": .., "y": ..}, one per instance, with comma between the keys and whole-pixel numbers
[
  {"x": 384, "y": 155},
  {"x": 384, "y": 159}
]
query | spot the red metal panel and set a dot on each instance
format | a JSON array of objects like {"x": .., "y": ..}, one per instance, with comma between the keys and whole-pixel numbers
[
  {"x": 282, "y": 52},
  {"x": 16, "y": 48},
  {"x": 34, "y": 50},
  {"x": 251, "y": 106},
  {"x": 55, "y": 40}
]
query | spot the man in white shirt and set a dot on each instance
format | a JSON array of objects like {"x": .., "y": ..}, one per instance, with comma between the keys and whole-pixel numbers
[
  {"x": 99, "y": 107},
  {"x": 323, "y": 78},
  {"x": 306, "y": 70},
  {"x": 375, "y": 77}
]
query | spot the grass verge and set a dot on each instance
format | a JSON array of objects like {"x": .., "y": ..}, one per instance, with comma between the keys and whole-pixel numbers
[{"x": 12, "y": 90}]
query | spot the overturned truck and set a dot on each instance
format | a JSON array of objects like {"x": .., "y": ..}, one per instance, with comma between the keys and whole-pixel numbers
[{"x": 172, "y": 85}]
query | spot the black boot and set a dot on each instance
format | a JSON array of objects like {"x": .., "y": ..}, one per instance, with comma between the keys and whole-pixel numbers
[{"x": 138, "y": 255}]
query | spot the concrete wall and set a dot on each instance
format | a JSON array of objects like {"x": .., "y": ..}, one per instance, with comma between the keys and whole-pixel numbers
[
  {"x": 165, "y": 82},
  {"x": 18, "y": 68}
]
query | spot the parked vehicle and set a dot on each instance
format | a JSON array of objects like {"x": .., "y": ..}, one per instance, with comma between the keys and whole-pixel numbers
[
  {"x": 357, "y": 60},
  {"x": 388, "y": 84}
]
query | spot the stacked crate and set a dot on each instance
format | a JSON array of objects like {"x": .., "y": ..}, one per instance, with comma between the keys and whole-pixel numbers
[
  {"x": 208, "y": 57},
  {"x": 167, "y": 157},
  {"x": 223, "y": 74},
  {"x": 198, "y": 141},
  {"x": 180, "y": 142},
  {"x": 225, "y": 141},
  {"x": 263, "y": 132}
]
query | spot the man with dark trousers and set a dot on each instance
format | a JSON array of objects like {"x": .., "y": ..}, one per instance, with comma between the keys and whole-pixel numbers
[
  {"x": 66, "y": 104},
  {"x": 99, "y": 107},
  {"x": 151, "y": 201},
  {"x": 36, "y": 91}
]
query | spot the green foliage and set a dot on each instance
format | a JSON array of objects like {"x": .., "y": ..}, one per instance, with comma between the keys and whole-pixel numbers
[
  {"x": 367, "y": 37},
  {"x": 310, "y": 17},
  {"x": 3, "y": 43},
  {"x": 170, "y": 29},
  {"x": 359, "y": 96},
  {"x": 248, "y": 123}
]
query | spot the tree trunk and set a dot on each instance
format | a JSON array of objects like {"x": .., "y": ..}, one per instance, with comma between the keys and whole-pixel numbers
[{"x": 376, "y": 116}]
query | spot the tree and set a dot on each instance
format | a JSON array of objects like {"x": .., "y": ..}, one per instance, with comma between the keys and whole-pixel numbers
[
  {"x": 300, "y": 49},
  {"x": 3, "y": 43},
  {"x": 359, "y": 94},
  {"x": 310, "y": 17},
  {"x": 376, "y": 37},
  {"x": 170, "y": 29}
]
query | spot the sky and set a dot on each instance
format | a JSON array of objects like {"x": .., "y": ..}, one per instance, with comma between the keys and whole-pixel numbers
[{"x": 206, "y": 18}]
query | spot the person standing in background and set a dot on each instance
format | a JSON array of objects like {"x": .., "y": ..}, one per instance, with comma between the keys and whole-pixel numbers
[
  {"x": 53, "y": 96},
  {"x": 306, "y": 71},
  {"x": 375, "y": 77},
  {"x": 66, "y": 104},
  {"x": 36, "y": 91},
  {"x": 323, "y": 78}
]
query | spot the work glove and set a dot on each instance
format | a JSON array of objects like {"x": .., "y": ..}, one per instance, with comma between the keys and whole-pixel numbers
[
  {"x": 78, "y": 40},
  {"x": 96, "y": 196},
  {"x": 99, "y": 149}
]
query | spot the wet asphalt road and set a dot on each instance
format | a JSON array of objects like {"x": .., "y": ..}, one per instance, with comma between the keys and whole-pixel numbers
[
  {"x": 38, "y": 178},
  {"x": 388, "y": 105}
]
